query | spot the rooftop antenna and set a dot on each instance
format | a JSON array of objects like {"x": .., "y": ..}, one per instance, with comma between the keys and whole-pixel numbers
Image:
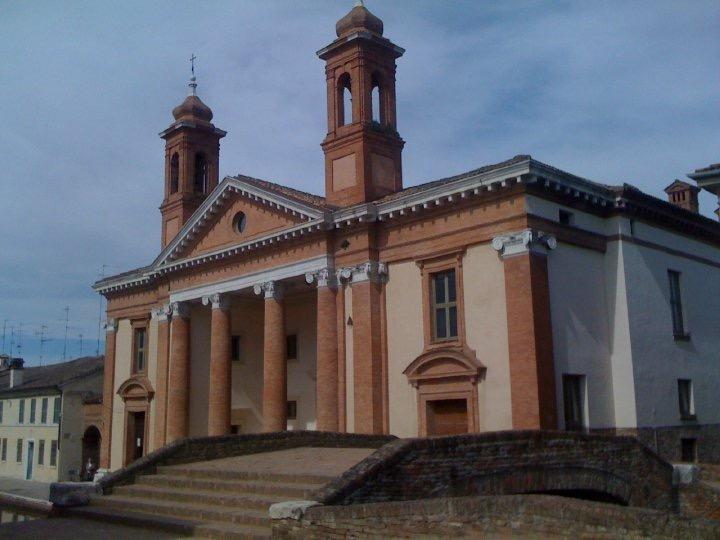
[
  {"x": 19, "y": 341},
  {"x": 100, "y": 314},
  {"x": 43, "y": 340},
  {"x": 67, "y": 320},
  {"x": 12, "y": 339},
  {"x": 193, "y": 83},
  {"x": 80, "y": 336},
  {"x": 3, "y": 338}
]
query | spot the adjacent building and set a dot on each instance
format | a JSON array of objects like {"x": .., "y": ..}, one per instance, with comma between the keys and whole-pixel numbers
[
  {"x": 44, "y": 435},
  {"x": 513, "y": 296}
]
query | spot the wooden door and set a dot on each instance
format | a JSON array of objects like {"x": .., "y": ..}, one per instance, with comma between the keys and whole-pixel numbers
[{"x": 447, "y": 417}]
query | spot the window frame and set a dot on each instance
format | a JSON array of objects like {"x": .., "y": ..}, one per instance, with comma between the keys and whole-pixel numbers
[
  {"x": 138, "y": 326},
  {"x": 236, "y": 348},
  {"x": 685, "y": 386},
  {"x": 677, "y": 313},
  {"x": 446, "y": 305},
  {"x": 2, "y": 410},
  {"x": 57, "y": 410},
  {"x": 44, "y": 410},
  {"x": 21, "y": 411},
  {"x": 291, "y": 406},
  {"x": 19, "y": 451},
  {"x": 41, "y": 453},
  {"x": 33, "y": 410},
  {"x": 288, "y": 339},
  {"x": 439, "y": 263},
  {"x": 54, "y": 450},
  {"x": 3, "y": 449},
  {"x": 581, "y": 380}
]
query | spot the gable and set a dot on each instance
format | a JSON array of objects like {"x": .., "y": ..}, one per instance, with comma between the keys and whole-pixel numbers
[{"x": 221, "y": 232}]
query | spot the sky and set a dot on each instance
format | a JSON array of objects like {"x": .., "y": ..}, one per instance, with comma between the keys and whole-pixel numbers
[{"x": 613, "y": 91}]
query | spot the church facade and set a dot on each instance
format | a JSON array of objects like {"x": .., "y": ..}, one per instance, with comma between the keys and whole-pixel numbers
[{"x": 513, "y": 296}]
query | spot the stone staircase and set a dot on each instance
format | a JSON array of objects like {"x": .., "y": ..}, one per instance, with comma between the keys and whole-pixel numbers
[{"x": 218, "y": 502}]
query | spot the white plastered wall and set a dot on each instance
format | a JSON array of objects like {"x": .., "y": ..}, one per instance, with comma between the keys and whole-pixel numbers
[{"x": 123, "y": 346}]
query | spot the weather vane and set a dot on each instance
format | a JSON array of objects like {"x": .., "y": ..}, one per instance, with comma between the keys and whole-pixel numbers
[{"x": 192, "y": 63}]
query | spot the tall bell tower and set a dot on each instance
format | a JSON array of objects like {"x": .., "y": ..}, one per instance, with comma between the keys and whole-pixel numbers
[
  {"x": 362, "y": 147},
  {"x": 192, "y": 154}
]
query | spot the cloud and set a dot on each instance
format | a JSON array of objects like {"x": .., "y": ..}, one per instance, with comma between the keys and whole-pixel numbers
[{"x": 613, "y": 91}]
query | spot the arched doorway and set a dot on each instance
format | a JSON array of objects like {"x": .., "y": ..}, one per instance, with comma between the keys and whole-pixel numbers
[
  {"x": 136, "y": 393},
  {"x": 90, "y": 451},
  {"x": 446, "y": 382}
]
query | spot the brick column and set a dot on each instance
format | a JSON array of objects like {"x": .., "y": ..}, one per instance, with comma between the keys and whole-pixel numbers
[
  {"x": 220, "y": 367},
  {"x": 163, "y": 333},
  {"x": 530, "y": 341},
  {"x": 108, "y": 393},
  {"x": 326, "y": 383},
  {"x": 274, "y": 361},
  {"x": 367, "y": 347},
  {"x": 179, "y": 374}
]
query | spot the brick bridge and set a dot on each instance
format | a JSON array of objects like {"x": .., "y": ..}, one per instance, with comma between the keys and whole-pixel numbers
[{"x": 595, "y": 467}]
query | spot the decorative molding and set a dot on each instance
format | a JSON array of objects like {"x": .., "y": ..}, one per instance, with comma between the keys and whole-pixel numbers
[
  {"x": 527, "y": 241},
  {"x": 325, "y": 277},
  {"x": 373, "y": 271},
  {"x": 270, "y": 289},
  {"x": 180, "y": 309},
  {"x": 161, "y": 314},
  {"x": 217, "y": 301},
  {"x": 111, "y": 325}
]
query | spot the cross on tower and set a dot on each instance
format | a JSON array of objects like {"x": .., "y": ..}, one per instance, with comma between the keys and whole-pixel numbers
[{"x": 192, "y": 63}]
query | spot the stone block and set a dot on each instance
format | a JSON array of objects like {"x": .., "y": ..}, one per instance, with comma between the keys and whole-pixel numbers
[{"x": 66, "y": 494}]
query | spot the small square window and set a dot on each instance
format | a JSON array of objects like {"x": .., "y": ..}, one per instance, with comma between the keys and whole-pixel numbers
[
  {"x": 566, "y": 218},
  {"x": 688, "y": 450},
  {"x": 292, "y": 410},
  {"x": 235, "y": 348},
  {"x": 291, "y": 347}
]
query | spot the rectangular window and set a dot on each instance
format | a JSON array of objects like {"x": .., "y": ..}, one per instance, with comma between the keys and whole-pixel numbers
[
  {"x": 291, "y": 347},
  {"x": 43, "y": 410},
  {"x": 56, "y": 411},
  {"x": 33, "y": 407},
  {"x": 676, "y": 304},
  {"x": 574, "y": 402},
  {"x": 53, "y": 453},
  {"x": 235, "y": 348},
  {"x": 566, "y": 218},
  {"x": 2, "y": 404},
  {"x": 18, "y": 455},
  {"x": 688, "y": 450},
  {"x": 685, "y": 399},
  {"x": 139, "y": 346},
  {"x": 292, "y": 410},
  {"x": 444, "y": 305},
  {"x": 21, "y": 412},
  {"x": 41, "y": 453},
  {"x": 3, "y": 450}
]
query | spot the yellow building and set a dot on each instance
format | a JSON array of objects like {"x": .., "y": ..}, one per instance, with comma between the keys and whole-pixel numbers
[{"x": 42, "y": 430}]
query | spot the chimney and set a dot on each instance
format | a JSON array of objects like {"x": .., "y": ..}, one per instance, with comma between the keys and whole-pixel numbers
[
  {"x": 683, "y": 195},
  {"x": 16, "y": 372}
]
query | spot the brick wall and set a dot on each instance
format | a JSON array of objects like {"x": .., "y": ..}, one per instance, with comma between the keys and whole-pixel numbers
[
  {"x": 522, "y": 515},
  {"x": 511, "y": 462}
]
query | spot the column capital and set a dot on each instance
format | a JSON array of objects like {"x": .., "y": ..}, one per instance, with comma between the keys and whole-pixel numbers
[
  {"x": 373, "y": 271},
  {"x": 217, "y": 301},
  {"x": 325, "y": 277},
  {"x": 270, "y": 289},
  {"x": 161, "y": 314},
  {"x": 526, "y": 241},
  {"x": 180, "y": 309},
  {"x": 111, "y": 325}
]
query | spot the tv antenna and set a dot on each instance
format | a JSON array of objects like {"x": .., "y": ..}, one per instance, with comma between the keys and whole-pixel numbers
[{"x": 41, "y": 334}]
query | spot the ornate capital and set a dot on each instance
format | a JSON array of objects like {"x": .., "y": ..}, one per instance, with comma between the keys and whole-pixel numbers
[
  {"x": 217, "y": 301},
  {"x": 161, "y": 314},
  {"x": 111, "y": 325},
  {"x": 527, "y": 241},
  {"x": 270, "y": 289},
  {"x": 369, "y": 271},
  {"x": 344, "y": 274},
  {"x": 180, "y": 309},
  {"x": 325, "y": 277}
]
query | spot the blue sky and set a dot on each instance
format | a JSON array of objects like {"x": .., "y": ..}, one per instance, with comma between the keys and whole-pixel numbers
[{"x": 612, "y": 91}]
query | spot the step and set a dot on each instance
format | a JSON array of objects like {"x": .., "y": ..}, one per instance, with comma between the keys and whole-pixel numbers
[
  {"x": 177, "y": 526},
  {"x": 192, "y": 512},
  {"x": 182, "y": 495},
  {"x": 290, "y": 490},
  {"x": 230, "y": 474},
  {"x": 232, "y": 531}
]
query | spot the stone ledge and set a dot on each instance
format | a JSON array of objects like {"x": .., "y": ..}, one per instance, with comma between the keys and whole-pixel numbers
[
  {"x": 64, "y": 494},
  {"x": 291, "y": 509}
]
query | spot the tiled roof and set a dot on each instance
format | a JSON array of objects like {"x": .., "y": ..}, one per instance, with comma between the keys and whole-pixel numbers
[
  {"x": 300, "y": 196},
  {"x": 52, "y": 375}
]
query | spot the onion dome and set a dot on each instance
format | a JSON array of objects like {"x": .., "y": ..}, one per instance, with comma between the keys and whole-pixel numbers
[
  {"x": 192, "y": 108},
  {"x": 357, "y": 20}
]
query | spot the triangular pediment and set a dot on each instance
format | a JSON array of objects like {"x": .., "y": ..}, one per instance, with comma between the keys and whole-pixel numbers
[{"x": 213, "y": 226}]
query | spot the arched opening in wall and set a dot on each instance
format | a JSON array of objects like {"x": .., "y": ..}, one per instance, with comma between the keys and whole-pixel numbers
[
  {"x": 344, "y": 100},
  {"x": 201, "y": 173},
  {"x": 90, "y": 452},
  {"x": 174, "y": 173},
  {"x": 136, "y": 393},
  {"x": 583, "y": 494},
  {"x": 378, "y": 112}
]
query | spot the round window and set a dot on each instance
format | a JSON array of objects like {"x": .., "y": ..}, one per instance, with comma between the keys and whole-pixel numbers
[{"x": 239, "y": 222}]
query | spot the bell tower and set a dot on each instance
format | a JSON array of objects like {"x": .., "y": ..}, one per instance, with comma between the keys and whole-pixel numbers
[
  {"x": 362, "y": 147},
  {"x": 192, "y": 153}
]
